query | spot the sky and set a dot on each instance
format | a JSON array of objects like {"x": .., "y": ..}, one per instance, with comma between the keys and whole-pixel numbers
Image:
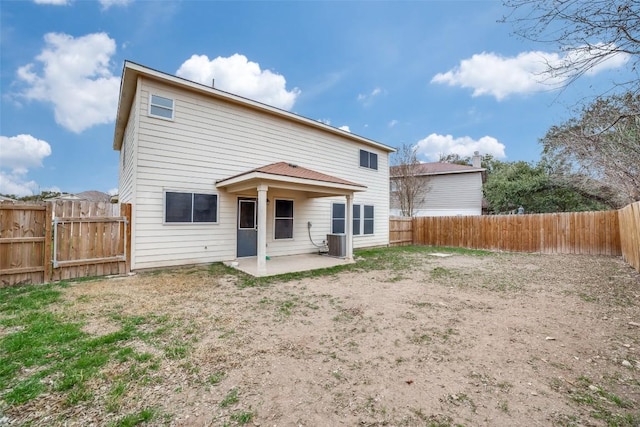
[{"x": 443, "y": 76}]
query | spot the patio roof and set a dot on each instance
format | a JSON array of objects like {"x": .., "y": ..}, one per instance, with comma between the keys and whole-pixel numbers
[{"x": 293, "y": 177}]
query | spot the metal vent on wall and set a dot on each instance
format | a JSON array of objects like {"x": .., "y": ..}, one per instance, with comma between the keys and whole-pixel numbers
[{"x": 337, "y": 245}]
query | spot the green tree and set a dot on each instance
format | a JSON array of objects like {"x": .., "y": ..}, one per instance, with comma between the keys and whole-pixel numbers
[{"x": 535, "y": 188}]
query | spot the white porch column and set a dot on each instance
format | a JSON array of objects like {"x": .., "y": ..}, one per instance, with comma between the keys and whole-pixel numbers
[
  {"x": 262, "y": 230},
  {"x": 348, "y": 226}
]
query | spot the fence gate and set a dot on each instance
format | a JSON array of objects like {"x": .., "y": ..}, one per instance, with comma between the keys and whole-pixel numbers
[
  {"x": 63, "y": 240},
  {"x": 89, "y": 239}
]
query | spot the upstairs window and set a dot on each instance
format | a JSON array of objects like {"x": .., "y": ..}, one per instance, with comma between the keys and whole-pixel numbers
[
  {"x": 161, "y": 107},
  {"x": 284, "y": 219},
  {"x": 190, "y": 207},
  {"x": 368, "y": 160}
]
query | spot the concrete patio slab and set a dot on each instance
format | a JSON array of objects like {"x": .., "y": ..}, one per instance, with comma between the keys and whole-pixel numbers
[{"x": 288, "y": 264}]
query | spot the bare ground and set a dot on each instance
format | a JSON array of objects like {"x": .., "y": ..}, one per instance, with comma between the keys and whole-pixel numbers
[{"x": 500, "y": 340}]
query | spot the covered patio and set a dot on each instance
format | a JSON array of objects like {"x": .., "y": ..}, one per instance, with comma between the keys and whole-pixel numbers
[
  {"x": 288, "y": 264},
  {"x": 290, "y": 177}
]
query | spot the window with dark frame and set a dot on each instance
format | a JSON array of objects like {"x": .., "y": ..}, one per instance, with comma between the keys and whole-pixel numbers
[
  {"x": 368, "y": 159},
  {"x": 368, "y": 220},
  {"x": 283, "y": 219},
  {"x": 161, "y": 107},
  {"x": 337, "y": 218},
  {"x": 363, "y": 219},
  {"x": 181, "y": 207},
  {"x": 356, "y": 220}
]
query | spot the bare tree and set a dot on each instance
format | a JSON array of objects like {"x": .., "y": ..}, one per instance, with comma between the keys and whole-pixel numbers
[
  {"x": 589, "y": 32},
  {"x": 408, "y": 187},
  {"x": 602, "y": 147}
]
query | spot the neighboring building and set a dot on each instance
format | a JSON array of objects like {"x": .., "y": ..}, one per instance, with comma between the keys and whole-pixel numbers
[
  {"x": 449, "y": 190},
  {"x": 213, "y": 176}
]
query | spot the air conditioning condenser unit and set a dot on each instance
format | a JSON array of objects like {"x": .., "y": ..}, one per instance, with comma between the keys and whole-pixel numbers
[{"x": 337, "y": 244}]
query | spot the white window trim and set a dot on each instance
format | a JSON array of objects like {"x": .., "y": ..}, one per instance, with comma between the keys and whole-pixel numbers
[
  {"x": 292, "y": 220},
  {"x": 172, "y": 109},
  {"x": 164, "y": 207}
]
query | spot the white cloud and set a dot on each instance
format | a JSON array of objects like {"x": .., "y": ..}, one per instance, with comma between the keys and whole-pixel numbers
[
  {"x": 53, "y": 2},
  {"x": 106, "y": 4},
  {"x": 14, "y": 183},
  {"x": 392, "y": 123},
  {"x": 17, "y": 155},
  {"x": 112, "y": 192},
  {"x": 367, "y": 98},
  {"x": 75, "y": 78},
  {"x": 499, "y": 76},
  {"x": 22, "y": 152},
  {"x": 435, "y": 145},
  {"x": 238, "y": 75},
  {"x": 345, "y": 128}
]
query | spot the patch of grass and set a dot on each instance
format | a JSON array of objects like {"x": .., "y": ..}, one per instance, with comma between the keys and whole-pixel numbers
[
  {"x": 131, "y": 420},
  {"x": 420, "y": 339},
  {"x": 285, "y": 307},
  {"x": 441, "y": 272},
  {"x": 230, "y": 399},
  {"x": 604, "y": 405},
  {"x": 45, "y": 351},
  {"x": 176, "y": 351},
  {"x": 218, "y": 269},
  {"x": 503, "y": 406},
  {"x": 587, "y": 298},
  {"x": 227, "y": 334},
  {"x": 242, "y": 417},
  {"x": 17, "y": 299},
  {"x": 216, "y": 377}
]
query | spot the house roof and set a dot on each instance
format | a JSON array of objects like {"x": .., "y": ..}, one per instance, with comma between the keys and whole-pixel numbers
[
  {"x": 440, "y": 168},
  {"x": 295, "y": 171},
  {"x": 91, "y": 196},
  {"x": 293, "y": 177},
  {"x": 131, "y": 71}
]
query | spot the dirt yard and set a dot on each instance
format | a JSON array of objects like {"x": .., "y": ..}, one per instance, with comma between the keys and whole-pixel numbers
[{"x": 492, "y": 340}]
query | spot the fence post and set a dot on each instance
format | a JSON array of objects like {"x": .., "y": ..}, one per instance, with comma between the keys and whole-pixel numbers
[{"x": 48, "y": 238}]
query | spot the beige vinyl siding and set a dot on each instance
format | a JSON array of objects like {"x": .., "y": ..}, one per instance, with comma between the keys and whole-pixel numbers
[
  {"x": 453, "y": 194},
  {"x": 128, "y": 157},
  {"x": 209, "y": 140}
]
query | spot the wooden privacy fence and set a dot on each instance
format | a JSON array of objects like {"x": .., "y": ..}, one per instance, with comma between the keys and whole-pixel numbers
[
  {"x": 400, "y": 231},
  {"x": 23, "y": 243},
  {"x": 63, "y": 240},
  {"x": 596, "y": 233},
  {"x": 629, "y": 218}
]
